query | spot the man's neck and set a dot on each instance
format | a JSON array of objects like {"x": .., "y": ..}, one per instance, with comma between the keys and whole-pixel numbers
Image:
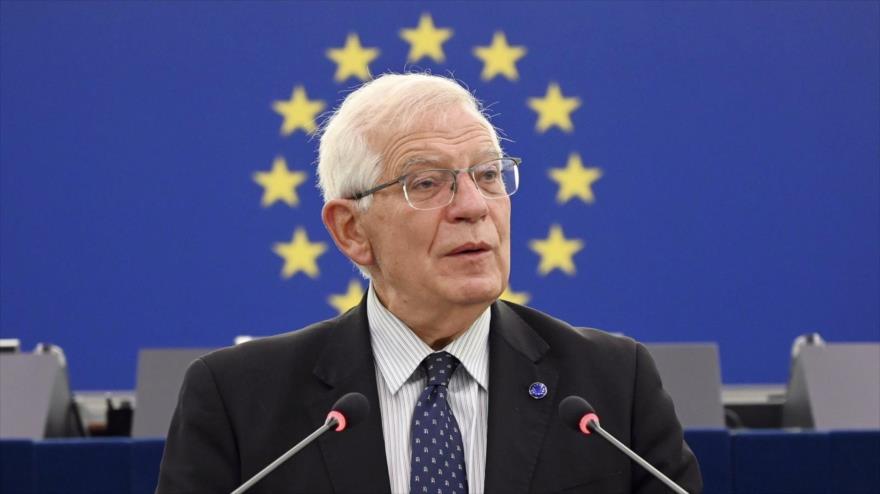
[{"x": 436, "y": 325}]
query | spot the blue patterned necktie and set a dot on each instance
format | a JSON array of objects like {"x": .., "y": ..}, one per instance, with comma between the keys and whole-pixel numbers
[{"x": 437, "y": 460}]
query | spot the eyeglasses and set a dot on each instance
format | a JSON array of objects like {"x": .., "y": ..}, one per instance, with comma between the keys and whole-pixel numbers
[{"x": 435, "y": 188}]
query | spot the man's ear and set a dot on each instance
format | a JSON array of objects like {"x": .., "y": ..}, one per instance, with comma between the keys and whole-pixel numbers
[{"x": 344, "y": 222}]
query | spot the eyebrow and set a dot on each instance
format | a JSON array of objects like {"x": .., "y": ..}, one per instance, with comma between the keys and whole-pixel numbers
[
  {"x": 419, "y": 160},
  {"x": 413, "y": 161}
]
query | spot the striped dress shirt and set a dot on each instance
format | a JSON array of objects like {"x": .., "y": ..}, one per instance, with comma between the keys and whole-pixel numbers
[{"x": 400, "y": 380}]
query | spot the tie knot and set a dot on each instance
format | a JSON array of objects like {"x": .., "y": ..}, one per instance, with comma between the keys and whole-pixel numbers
[{"x": 439, "y": 367}]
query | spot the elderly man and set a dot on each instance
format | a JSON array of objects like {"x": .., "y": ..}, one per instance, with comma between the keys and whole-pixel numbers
[{"x": 464, "y": 387}]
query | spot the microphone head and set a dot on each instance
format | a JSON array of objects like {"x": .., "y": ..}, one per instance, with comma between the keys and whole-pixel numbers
[
  {"x": 349, "y": 410},
  {"x": 573, "y": 410}
]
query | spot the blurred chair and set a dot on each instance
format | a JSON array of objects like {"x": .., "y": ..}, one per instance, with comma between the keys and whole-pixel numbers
[
  {"x": 35, "y": 398},
  {"x": 834, "y": 386},
  {"x": 159, "y": 376},
  {"x": 691, "y": 374}
]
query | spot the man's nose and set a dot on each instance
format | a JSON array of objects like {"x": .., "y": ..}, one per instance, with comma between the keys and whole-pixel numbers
[{"x": 468, "y": 202}]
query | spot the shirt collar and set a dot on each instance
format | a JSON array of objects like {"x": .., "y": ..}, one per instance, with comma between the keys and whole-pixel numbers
[{"x": 399, "y": 352}]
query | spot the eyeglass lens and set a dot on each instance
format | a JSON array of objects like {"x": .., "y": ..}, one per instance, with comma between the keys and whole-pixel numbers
[{"x": 430, "y": 189}]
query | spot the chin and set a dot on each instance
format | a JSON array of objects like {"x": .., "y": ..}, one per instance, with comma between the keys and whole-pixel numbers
[{"x": 476, "y": 291}]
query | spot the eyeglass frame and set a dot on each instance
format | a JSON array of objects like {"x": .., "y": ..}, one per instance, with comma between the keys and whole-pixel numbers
[{"x": 456, "y": 171}]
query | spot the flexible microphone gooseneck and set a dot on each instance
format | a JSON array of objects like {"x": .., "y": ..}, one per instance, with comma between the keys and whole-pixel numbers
[
  {"x": 577, "y": 413},
  {"x": 347, "y": 412}
]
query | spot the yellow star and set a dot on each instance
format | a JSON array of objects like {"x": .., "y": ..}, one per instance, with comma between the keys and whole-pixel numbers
[
  {"x": 352, "y": 59},
  {"x": 556, "y": 251},
  {"x": 575, "y": 181},
  {"x": 349, "y": 299},
  {"x": 499, "y": 58},
  {"x": 554, "y": 109},
  {"x": 426, "y": 40},
  {"x": 521, "y": 298},
  {"x": 299, "y": 112},
  {"x": 299, "y": 254},
  {"x": 280, "y": 184}
]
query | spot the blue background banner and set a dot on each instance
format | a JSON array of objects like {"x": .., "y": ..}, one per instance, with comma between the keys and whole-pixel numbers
[{"x": 691, "y": 171}]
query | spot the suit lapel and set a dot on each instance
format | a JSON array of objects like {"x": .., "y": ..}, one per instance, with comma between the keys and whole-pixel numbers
[
  {"x": 517, "y": 422},
  {"x": 355, "y": 459}
]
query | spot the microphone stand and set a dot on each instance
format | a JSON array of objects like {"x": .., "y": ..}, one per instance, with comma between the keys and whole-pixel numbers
[
  {"x": 330, "y": 424},
  {"x": 595, "y": 427}
]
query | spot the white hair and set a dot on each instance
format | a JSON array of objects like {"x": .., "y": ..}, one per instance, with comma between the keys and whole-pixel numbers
[{"x": 349, "y": 159}]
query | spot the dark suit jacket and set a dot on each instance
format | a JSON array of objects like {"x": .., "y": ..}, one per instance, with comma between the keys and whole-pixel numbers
[{"x": 241, "y": 407}]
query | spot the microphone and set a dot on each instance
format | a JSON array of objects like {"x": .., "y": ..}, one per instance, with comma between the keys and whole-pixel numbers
[
  {"x": 347, "y": 412},
  {"x": 577, "y": 413}
]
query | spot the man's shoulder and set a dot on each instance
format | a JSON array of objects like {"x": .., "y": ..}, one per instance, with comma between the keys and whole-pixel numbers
[
  {"x": 299, "y": 348},
  {"x": 563, "y": 337}
]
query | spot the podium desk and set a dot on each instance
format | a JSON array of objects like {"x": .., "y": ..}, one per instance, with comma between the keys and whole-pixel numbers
[{"x": 777, "y": 461}]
